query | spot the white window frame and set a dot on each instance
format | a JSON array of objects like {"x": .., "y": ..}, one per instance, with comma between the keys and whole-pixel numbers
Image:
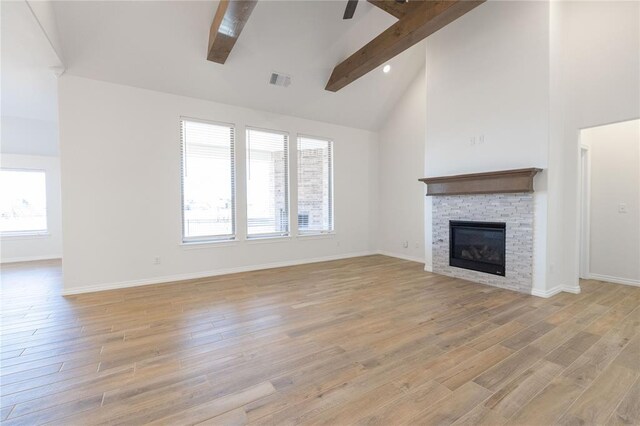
[
  {"x": 326, "y": 232},
  {"x": 269, "y": 235},
  {"x": 30, "y": 233},
  {"x": 212, "y": 239}
]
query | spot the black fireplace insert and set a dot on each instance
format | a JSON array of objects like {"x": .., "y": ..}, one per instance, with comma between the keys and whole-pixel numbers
[{"x": 479, "y": 246}]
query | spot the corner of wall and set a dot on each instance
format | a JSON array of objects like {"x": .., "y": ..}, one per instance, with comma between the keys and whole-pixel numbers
[
  {"x": 374, "y": 194},
  {"x": 400, "y": 210},
  {"x": 555, "y": 290}
]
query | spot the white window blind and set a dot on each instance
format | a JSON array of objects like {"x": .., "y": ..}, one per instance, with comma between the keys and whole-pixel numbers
[
  {"x": 267, "y": 183},
  {"x": 23, "y": 202},
  {"x": 208, "y": 181},
  {"x": 315, "y": 185}
]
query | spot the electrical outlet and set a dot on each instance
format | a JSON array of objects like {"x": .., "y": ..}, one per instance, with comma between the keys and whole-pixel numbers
[
  {"x": 622, "y": 208},
  {"x": 405, "y": 244},
  {"x": 472, "y": 140},
  {"x": 156, "y": 260},
  {"x": 481, "y": 139}
]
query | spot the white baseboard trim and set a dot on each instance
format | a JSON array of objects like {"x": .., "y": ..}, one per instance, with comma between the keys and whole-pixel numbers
[
  {"x": 615, "y": 280},
  {"x": 206, "y": 274},
  {"x": 546, "y": 293},
  {"x": 428, "y": 268},
  {"x": 30, "y": 258},
  {"x": 401, "y": 256},
  {"x": 555, "y": 290}
]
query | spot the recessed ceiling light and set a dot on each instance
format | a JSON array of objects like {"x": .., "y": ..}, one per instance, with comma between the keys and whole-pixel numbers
[{"x": 386, "y": 68}]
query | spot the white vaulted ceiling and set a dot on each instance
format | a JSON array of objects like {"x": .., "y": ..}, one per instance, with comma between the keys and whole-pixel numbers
[
  {"x": 162, "y": 46},
  {"x": 28, "y": 83},
  {"x": 29, "y": 101}
]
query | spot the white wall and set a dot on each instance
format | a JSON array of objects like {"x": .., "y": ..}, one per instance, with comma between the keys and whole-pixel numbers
[
  {"x": 615, "y": 178},
  {"x": 401, "y": 152},
  {"x": 120, "y": 154},
  {"x": 22, "y": 248},
  {"x": 488, "y": 101},
  {"x": 26, "y": 136},
  {"x": 596, "y": 73},
  {"x": 488, "y": 74}
]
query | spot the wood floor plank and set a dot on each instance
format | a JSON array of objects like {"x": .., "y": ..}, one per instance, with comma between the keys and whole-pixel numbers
[
  {"x": 517, "y": 393},
  {"x": 299, "y": 393},
  {"x": 406, "y": 407},
  {"x": 5, "y": 411},
  {"x": 574, "y": 347},
  {"x": 597, "y": 403},
  {"x": 508, "y": 369},
  {"x": 528, "y": 335},
  {"x": 54, "y": 412},
  {"x": 595, "y": 359},
  {"x": 481, "y": 416},
  {"x": 353, "y": 409},
  {"x": 628, "y": 411},
  {"x": 235, "y": 417},
  {"x": 496, "y": 336},
  {"x": 428, "y": 369},
  {"x": 217, "y": 407},
  {"x": 30, "y": 374},
  {"x": 548, "y": 405},
  {"x": 469, "y": 369},
  {"x": 630, "y": 356},
  {"x": 453, "y": 407}
]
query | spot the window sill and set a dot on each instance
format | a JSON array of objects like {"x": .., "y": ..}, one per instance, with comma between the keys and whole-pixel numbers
[
  {"x": 317, "y": 236},
  {"x": 264, "y": 240},
  {"x": 191, "y": 245},
  {"x": 24, "y": 235}
]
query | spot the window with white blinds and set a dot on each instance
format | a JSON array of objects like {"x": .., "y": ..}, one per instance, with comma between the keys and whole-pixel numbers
[
  {"x": 267, "y": 183},
  {"x": 315, "y": 185},
  {"x": 208, "y": 181}
]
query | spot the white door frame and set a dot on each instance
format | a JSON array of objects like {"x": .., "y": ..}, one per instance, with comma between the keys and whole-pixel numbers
[{"x": 585, "y": 210}]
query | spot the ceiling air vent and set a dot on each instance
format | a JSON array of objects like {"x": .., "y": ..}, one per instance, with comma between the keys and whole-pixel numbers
[{"x": 279, "y": 79}]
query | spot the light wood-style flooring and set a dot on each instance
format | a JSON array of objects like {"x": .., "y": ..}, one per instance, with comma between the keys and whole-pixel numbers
[{"x": 370, "y": 340}]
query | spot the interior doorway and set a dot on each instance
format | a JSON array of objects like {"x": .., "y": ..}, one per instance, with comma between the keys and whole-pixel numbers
[{"x": 610, "y": 203}]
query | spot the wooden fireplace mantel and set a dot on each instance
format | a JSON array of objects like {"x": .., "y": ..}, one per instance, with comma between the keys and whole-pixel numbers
[{"x": 500, "y": 182}]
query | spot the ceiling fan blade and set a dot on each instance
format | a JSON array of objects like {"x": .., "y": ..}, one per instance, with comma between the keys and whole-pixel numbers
[{"x": 350, "y": 9}]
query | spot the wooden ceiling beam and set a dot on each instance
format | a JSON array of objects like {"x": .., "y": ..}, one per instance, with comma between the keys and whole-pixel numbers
[
  {"x": 230, "y": 19},
  {"x": 399, "y": 10},
  {"x": 424, "y": 20}
]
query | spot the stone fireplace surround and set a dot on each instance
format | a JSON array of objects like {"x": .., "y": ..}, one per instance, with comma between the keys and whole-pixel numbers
[
  {"x": 516, "y": 210},
  {"x": 505, "y": 196}
]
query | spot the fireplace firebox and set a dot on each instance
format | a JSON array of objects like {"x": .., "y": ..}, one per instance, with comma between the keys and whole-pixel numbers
[{"x": 479, "y": 246}]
